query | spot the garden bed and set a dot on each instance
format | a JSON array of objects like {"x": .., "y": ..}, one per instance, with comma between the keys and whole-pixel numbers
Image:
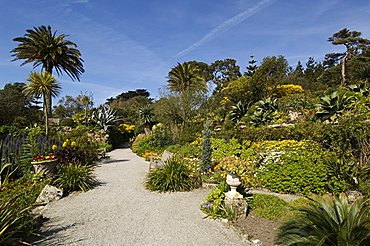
[{"x": 258, "y": 228}]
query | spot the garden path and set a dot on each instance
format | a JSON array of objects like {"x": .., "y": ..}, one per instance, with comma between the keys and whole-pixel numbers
[{"x": 121, "y": 212}]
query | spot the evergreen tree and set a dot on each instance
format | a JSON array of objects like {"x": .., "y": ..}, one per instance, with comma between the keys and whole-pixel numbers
[
  {"x": 252, "y": 66},
  {"x": 206, "y": 158},
  {"x": 298, "y": 71},
  {"x": 354, "y": 44}
]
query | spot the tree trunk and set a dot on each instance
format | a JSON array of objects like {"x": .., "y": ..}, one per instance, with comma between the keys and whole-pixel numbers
[
  {"x": 48, "y": 97},
  {"x": 46, "y": 116},
  {"x": 344, "y": 61}
]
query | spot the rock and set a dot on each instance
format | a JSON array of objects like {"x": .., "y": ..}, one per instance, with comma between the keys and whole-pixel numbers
[
  {"x": 240, "y": 206},
  {"x": 38, "y": 211},
  {"x": 256, "y": 242},
  {"x": 49, "y": 194},
  {"x": 225, "y": 221}
]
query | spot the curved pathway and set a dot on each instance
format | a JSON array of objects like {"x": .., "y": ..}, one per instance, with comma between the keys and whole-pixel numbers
[{"x": 121, "y": 212}]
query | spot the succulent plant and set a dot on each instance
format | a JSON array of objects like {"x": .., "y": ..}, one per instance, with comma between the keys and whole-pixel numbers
[{"x": 105, "y": 117}]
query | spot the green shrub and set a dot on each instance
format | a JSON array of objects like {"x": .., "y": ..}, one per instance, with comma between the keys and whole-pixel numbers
[
  {"x": 214, "y": 205},
  {"x": 74, "y": 177},
  {"x": 142, "y": 143},
  {"x": 299, "y": 171},
  {"x": 174, "y": 176},
  {"x": 268, "y": 206},
  {"x": 68, "y": 122},
  {"x": 222, "y": 148},
  {"x": 187, "y": 150}
]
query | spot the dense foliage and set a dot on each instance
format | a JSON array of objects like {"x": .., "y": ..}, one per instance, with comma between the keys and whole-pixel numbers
[{"x": 328, "y": 221}]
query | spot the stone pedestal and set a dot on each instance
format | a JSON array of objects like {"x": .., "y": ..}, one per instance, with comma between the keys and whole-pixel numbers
[{"x": 234, "y": 181}]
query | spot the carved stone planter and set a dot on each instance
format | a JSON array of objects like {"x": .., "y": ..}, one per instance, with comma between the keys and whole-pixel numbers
[
  {"x": 48, "y": 167},
  {"x": 234, "y": 181}
]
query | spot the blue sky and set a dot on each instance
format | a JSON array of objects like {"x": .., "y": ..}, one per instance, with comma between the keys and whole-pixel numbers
[{"x": 133, "y": 44}]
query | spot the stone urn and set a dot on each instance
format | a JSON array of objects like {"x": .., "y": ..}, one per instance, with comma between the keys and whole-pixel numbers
[
  {"x": 234, "y": 181},
  {"x": 48, "y": 167}
]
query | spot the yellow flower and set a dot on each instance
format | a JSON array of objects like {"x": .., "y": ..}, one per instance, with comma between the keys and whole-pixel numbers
[
  {"x": 54, "y": 147},
  {"x": 65, "y": 144},
  {"x": 73, "y": 144}
]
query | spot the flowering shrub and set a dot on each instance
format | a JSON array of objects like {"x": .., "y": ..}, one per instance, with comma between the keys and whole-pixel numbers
[
  {"x": 44, "y": 157},
  {"x": 126, "y": 128},
  {"x": 287, "y": 90},
  {"x": 142, "y": 143},
  {"x": 236, "y": 166},
  {"x": 81, "y": 151},
  {"x": 148, "y": 154}
]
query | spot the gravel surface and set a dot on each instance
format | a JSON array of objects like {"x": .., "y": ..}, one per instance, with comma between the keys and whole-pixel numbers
[{"x": 121, "y": 212}]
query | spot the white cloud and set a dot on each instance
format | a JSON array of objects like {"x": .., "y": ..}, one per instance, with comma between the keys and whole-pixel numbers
[
  {"x": 81, "y": 1},
  {"x": 226, "y": 25}
]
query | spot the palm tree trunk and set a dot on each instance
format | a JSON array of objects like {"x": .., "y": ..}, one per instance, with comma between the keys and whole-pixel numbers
[
  {"x": 49, "y": 69},
  {"x": 46, "y": 116}
]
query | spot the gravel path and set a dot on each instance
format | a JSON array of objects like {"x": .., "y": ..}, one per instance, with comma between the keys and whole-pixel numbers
[{"x": 121, "y": 212}]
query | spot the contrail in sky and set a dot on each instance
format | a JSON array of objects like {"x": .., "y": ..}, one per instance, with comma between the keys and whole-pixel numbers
[{"x": 226, "y": 25}]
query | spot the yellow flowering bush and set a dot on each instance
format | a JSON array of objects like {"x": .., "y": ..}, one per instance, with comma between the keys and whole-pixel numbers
[
  {"x": 287, "y": 90},
  {"x": 126, "y": 128},
  {"x": 234, "y": 165},
  {"x": 148, "y": 154}
]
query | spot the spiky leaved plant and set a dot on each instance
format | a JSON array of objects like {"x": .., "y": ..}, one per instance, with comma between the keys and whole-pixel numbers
[
  {"x": 105, "y": 117},
  {"x": 332, "y": 106},
  {"x": 174, "y": 176},
  {"x": 265, "y": 112},
  {"x": 328, "y": 221},
  {"x": 238, "y": 111},
  {"x": 146, "y": 115}
]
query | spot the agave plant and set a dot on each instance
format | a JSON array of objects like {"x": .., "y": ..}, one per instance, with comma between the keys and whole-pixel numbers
[
  {"x": 328, "y": 221},
  {"x": 265, "y": 112},
  {"x": 364, "y": 73},
  {"x": 361, "y": 89},
  {"x": 333, "y": 106},
  {"x": 105, "y": 117},
  {"x": 238, "y": 111}
]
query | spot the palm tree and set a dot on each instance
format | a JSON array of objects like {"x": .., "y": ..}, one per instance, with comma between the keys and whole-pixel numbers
[
  {"x": 41, "y": 46},
  {"x": 146, "y": 117},
  {"x": 328, "y": 221},
  {"x": 186, "y": 76},
  {"x": 43, "y": 84}
]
